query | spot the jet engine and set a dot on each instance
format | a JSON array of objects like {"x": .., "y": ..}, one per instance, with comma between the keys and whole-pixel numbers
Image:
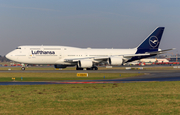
[
  {"x": 85, "y": 63},
  {"x": 115, "y": 61},
  {"x": 60, "y": 66}
]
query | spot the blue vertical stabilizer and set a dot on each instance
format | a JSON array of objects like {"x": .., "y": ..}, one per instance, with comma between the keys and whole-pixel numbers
[{"x": 151, "y": 43}]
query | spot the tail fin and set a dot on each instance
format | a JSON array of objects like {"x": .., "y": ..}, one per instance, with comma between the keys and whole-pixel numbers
[{"x": 151, "y": 43}]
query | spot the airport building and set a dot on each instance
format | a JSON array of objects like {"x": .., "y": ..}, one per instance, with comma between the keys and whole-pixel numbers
[{"x": 174, "y": 58}]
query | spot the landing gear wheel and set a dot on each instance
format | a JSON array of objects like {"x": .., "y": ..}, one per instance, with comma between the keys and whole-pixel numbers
[
  {"x": 23, "y": 68},
  {"x": 89, "y": 68},
  {"x": 94, "y": 68},
  {"x": 79, "y": 68}
]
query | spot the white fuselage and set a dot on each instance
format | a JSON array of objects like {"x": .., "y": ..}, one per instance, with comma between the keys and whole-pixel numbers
[
  {"x": 63, "y": 56},
  {"x": 58, "y": 54}
]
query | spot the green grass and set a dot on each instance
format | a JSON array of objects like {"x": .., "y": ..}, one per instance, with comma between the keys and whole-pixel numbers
[
  {"x": 157, "y": 98},
  {"x": 62, "y": 76}
]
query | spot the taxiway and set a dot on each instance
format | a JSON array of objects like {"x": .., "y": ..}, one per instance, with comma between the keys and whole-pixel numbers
[{"x": 151, "y": 75}]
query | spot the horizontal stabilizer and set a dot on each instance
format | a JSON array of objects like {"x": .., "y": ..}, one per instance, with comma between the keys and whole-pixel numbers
[{"x": 161, "y": 52}]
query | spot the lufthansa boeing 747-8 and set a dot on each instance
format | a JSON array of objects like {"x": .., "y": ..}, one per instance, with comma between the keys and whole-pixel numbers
[{"x": 64, "y": 56}]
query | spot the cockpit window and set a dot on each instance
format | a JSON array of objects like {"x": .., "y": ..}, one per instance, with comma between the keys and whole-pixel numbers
[{"x": 18, "y": 48}]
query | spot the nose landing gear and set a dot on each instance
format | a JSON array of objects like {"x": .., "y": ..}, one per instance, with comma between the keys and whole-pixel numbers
[{"x": 23, "y": 68}]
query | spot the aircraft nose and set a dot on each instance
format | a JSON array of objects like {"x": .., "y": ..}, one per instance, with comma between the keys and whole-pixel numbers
[{"x": 8, "y": 56}]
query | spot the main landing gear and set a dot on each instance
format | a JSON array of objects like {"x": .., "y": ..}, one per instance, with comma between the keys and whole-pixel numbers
[
  {"x": 92, "y": 68},
  {"x": 79, "y": 68}
]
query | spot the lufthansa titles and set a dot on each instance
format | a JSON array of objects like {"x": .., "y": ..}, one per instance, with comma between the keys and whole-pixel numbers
[{"x": 43, "y": 52}]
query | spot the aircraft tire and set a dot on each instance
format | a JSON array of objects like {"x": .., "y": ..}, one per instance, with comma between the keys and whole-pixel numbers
[
  {"x": 89, "y": 68},
  {"x": 94, "y": 68},
  {"x": 23, "y": 68},
  {"x": 79, "y": 68}
]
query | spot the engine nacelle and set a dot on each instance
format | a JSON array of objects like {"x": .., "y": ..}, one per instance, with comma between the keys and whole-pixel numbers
[
  {"x": 85, "y": 63},
  {"x": 60, "y": 66},
  {"x": 115, "y": 61}
]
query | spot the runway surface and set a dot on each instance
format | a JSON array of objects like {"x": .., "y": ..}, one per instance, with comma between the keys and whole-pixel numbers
[{"x": 151, "y": 75}]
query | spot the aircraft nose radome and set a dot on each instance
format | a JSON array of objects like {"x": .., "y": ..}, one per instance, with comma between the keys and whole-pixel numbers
[{"x": 8, "y": 56}]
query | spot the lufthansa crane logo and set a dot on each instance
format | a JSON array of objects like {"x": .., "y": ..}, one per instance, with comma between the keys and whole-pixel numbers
[{"x": 153, "y": 41}]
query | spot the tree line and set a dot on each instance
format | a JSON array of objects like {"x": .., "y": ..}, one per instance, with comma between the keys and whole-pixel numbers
[{"x": 3, "y": 59}]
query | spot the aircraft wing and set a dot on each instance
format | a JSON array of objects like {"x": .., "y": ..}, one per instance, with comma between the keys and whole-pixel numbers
[
  {"x": 74, "y": 59},
  {"x": 88, "y": 58},
  {"x": 99, "y": 59},
  {"x": 125, "y": 57}
]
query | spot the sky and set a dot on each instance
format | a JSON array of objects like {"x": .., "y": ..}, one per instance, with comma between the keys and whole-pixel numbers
[{"x": 87, "y": 23}]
